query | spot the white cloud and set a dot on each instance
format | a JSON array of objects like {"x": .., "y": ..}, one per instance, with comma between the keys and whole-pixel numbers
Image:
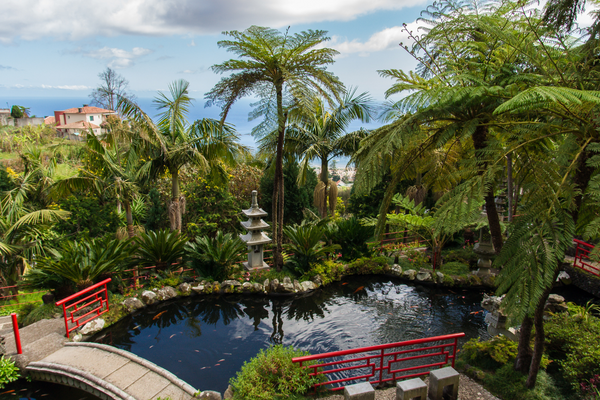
[
  {"x": 388, "y": 38},
  {"x": 118, "y": 58},
  {"x": 43, "y": 86},
  {"x": 76, "y": 19},
  {"x": 192, "y": 44}
]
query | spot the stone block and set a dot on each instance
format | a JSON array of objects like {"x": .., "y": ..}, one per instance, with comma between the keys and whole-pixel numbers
[
  {"x": 444, "y": 380},
  {"x": 411, "y": 389},
  {"x": 359, "y": 391}
]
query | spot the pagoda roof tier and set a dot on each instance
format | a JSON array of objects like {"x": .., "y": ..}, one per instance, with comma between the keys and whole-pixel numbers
[
  {"x": 255, "y": 212},
  {"x": 254, "y": 224},
  {"x": 254, "y": 238}
]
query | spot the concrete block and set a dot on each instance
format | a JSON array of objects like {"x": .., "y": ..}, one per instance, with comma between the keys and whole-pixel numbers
[
  {"x": 444, "y": 380},
  {"x": 359, "y": 391},
  {"x": 411, "y": 389}
]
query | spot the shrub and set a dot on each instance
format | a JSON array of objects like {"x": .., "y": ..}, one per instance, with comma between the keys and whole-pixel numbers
[
  {"x": 89, "y": 217},
  {"x": 160, "y": 248},
  {"x": 352, "y": 237},
  {"x": 491, "y": 354},
  {"x": 455, "y": 268},
  {"x": 306, "y": 246},
  {"x": 272, "y": 375},
  {"x": 572, "y": 340},
  {"x": 328, "y": 270},
  {"x": 8, "y": 372},
  {"x": 82, "y": 263},
  {"x": 364, "y": 266},
  {"x": 212, "y": 258}
]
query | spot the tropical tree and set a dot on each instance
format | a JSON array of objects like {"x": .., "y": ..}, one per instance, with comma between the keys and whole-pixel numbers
[
  {"x": 109, "y": 171},
  {"x": 172, "y": 142},
  {"x": 320, "y": 132},
  {"x": 272, "y": 64},
  {"x": 213, "y": 257}
]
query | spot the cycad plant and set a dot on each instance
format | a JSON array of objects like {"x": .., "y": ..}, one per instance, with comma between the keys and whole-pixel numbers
[
  {"x": 352, "y": 237},
  {"x": 81, "y": 263},
  {"x": 307, "y": 246},
  {"x": 213, "y": 257},
  {"x": 160, "y": 248}
]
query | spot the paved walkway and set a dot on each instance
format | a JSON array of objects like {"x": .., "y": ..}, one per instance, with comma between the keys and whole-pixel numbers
[{"x": 105, "y": 371}]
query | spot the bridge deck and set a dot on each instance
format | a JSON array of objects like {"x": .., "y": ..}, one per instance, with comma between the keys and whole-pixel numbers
[{"x": 112, "y": 372}]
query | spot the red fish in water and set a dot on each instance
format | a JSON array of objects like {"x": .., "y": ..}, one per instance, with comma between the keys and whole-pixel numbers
[
  {"x": 345, "y": 283},
  {"x": 359, "y": 289},
  {"x": 158, "y": 315}
]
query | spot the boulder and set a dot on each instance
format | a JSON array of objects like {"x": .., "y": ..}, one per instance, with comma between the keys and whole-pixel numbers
[
  {"x": 267, "y": 285},
  {"x": 396, "y": 270},
  {"x": 132, "y": 304},
  {"x": 274, "y": 285},
  {"x": 210, "y": 395},
  {"x": 257, "y": 287},
  {"x": 166, "y": 293},
  {"x": 297, "y": 286},
  {"x": 491, "y": 303},
  {"x": 247, "y": 287},
  {"x": 287, "y": 286},
  {"x": 198, "y": 289},
  {"x": 228, "y": 393},
  {"x": 423, "y": 276},
  {"x": 93, "y": 326},
  {"x": 48, "y": 298},
  {"x": 148, "y": 297},
  {"x": 77, "y": 338},
  {"x": 185, "y": 288},
  {"x": 308, "y": 285},
  {"x": 439, "y": 277},
  {"x": 230, "y": 286},
  {"x": 317, "y": 280},
  {"x": 409, "y": 274}
]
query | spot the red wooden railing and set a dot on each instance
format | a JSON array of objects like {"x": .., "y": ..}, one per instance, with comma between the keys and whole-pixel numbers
[
  {"x": 378, "y": 364},
  {"x": 98, "y": 300},
  {"x": 582, "y": 259}
]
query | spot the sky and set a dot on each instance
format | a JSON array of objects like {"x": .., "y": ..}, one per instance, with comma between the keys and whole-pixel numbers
[{"x": 51, "y": 51}]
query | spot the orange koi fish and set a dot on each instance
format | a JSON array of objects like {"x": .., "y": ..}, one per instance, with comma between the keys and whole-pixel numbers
[
  {"x": 359, "y": 289},
  {"x": 158, "y": 315}
]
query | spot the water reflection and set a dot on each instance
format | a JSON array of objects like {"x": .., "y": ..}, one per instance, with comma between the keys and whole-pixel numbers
[{"x": 205, "y": 340}]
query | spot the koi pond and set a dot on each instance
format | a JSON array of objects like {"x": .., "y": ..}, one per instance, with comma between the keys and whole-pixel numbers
[{"x": 205, "y": 340}]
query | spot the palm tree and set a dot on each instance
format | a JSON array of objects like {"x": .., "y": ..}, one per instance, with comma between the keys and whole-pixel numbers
[
  {"x": 110, "y": 170},
  {"x": 320, "y": 132},
  {"x": 172, "y": 142},
  {"x": 272, "y": 64}
]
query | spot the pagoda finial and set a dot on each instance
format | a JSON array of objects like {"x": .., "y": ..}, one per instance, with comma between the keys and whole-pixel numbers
[{"x": 254, "y": 199}]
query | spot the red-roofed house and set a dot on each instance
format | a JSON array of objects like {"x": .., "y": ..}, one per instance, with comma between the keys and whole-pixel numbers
[{"x": 74, "y": 121}]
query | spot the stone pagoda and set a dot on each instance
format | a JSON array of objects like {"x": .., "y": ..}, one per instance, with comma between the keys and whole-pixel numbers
[{"x": 255, "y": 238}]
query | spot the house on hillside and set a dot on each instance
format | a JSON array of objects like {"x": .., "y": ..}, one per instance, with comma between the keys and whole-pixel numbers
[
  {"x": 4, "y": 116},
  {"x": 74, "y": 123}
]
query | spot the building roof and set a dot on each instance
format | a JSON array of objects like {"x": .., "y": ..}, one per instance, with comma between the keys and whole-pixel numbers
[
  {"x": 49, "y": 120},
  {"x": 87, "y": 110},
  {"x": 79, "y": 125}
]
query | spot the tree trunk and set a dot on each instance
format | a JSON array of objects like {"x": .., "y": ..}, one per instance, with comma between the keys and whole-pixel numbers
[
  {"x": 325, "y": 179},
  {"x": 538, "y": 346},
  {"x": 278, "y": 183},
  {"x": 174, "y": 207},
  {"x": 129, "y": 217},
  {"x": 479, "y": 143},
  {"x": 509, "y": 186},
  {"x": 524, "y": 353}
]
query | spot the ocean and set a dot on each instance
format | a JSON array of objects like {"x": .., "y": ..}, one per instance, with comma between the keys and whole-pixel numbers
[{"x": 238, "y": 116}]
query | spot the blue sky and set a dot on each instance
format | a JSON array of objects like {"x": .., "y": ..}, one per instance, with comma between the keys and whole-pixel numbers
[{"x": 56, "y": 48}]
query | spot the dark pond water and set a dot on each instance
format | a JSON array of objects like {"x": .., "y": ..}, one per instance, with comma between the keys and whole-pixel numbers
[{"x": 205, "y": 340}]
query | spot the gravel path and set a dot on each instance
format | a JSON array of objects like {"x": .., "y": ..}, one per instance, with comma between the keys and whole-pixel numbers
[{"x": 468, "y": 389}]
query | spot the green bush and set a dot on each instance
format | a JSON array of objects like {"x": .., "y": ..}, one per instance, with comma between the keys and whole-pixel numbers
[
  {"x": 364, "y": 266},
  {"x": 329, "y": 271},
  {"x": 213, "y": 257},
  {"x": 272, "y": 375},
  {"x": 489, "y": 355},
  {"x": 352, "y": 237},
  {"x": 455, "y": 268},
  {"x": 463, "y": 255},
  {"x": 572, "y": 341},
  {"x": 8, "y": 372},
  {"x": 160, "y": 248},
  {"x": 306, "y": 245},
  {"x": 89, "y": 217}
]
